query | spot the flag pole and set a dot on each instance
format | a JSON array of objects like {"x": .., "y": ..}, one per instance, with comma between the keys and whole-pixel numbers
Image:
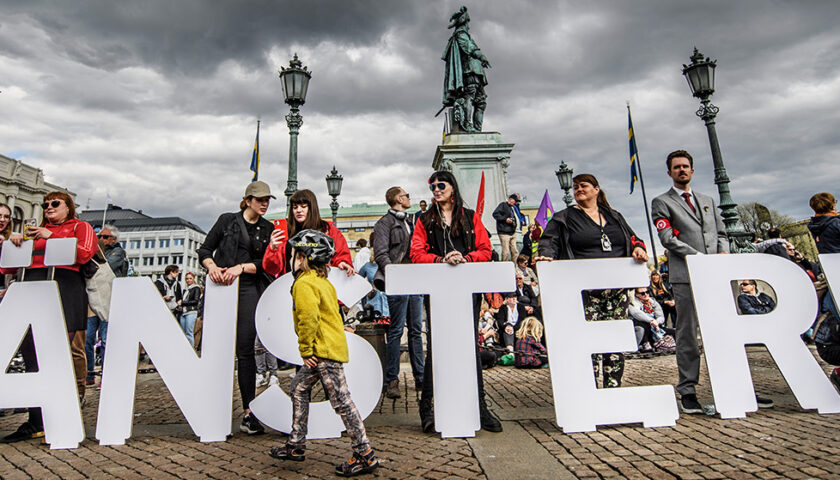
[{"x": 644, "y": 194}]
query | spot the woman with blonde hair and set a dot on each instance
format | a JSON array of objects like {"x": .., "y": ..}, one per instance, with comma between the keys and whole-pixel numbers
[{"x": 529, "y": 351}]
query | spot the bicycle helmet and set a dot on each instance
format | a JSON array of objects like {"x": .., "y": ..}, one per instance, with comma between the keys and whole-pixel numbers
[{"x": 318, "y": 247}]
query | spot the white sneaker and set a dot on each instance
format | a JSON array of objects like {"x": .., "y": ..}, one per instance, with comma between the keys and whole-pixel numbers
[
  {"x": 261, "y": 380},
  {"x": 273, "y": 380}
]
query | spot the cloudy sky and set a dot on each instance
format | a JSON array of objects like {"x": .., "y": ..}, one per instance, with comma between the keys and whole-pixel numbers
[{"x": 157, "y": 103}]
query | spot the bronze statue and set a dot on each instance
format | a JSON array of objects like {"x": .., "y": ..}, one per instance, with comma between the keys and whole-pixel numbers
[{"x": 464, "y": 79}]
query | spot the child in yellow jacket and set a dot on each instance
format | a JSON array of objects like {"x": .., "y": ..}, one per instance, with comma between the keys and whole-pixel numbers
[{"x": 323, "y": 347}]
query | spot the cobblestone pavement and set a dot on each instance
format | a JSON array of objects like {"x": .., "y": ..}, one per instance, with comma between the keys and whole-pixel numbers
[{"x": 784, "y": 442}]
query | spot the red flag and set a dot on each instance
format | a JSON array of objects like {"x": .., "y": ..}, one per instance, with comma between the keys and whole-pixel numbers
[{"x": 479, "y": 205}]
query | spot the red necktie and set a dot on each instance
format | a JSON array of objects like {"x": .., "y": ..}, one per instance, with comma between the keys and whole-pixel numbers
[{"x": 687, "y": 197}]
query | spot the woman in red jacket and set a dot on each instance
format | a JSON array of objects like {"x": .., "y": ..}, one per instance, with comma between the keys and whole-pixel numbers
[
  {"x": 449, "y": 233},
  {"x": 303, "y": 214},
  {"x": 59, "y": 222}
]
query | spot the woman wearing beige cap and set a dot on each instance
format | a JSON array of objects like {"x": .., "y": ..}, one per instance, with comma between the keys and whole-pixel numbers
[{"x": 234, "y": 249}]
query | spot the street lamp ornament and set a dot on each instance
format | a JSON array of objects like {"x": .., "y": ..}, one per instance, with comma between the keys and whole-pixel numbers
[
  {"x": 334, "y": 181},
  {"x": 564, "y": 176},
  {"x": 700, "y": 75},
  {"x": 463, "y": 78},
  {"x": 295, "y": 82}
]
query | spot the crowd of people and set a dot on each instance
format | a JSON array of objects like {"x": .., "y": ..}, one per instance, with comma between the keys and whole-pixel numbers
[{"x": 242, "y": 245}]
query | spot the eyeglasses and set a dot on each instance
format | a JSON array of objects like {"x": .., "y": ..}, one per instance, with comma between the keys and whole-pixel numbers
[
  {"x": 53, "y": 204},
  {"x": 645, "y": 293},
  {"x": 437, "y": 186},
  {"x": 406, "y": 195},
  {"x": 105, "y": 236},
  {"x": 744, "y": 284}
]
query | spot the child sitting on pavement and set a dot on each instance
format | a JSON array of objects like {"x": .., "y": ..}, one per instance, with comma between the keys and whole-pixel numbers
[
  {"x": 323, "y": 347},
  {"x": 530, "y": 353}
]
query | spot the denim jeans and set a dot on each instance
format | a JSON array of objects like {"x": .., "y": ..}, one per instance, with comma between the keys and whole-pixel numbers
[
  {"x": 368, "y": 270},
  {"x": 188, "y": 326},
  {"x": 94, "y": 326},
  {"x": 410, "y": 308}
]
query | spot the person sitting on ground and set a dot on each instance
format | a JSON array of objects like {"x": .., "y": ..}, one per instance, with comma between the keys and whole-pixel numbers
[
  {"x": 646, "y": 315},
  {"x": 530, "y": 353},
  {"x": 663, "y": 295},
  {"x": 323, "y": 347},
  {"x": 526, "y": 296},
  {"x": 508, "y": 318},
  {"x": 752, "y": 302},
  {"x": 528, "y": 274},
  {"x": 486, "y": 339}
]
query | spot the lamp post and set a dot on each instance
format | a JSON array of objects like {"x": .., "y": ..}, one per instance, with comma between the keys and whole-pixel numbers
[
  {"x": 564, "y": 176},
  {"x": 295, "y": 81},
  {"x": 334, "y": 189},
  {"x": 700, "y": 75}
]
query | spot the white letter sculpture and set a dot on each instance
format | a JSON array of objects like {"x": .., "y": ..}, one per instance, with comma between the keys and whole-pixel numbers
[
  {"x": 275, "y": 327},
  {"x": 53, "y": 387},
  {"x": 571, "y": 341},
  {"x": 202, "y": 387},
  {"x": 454, "y": 366},
  {"x": 725, "y": 332}
]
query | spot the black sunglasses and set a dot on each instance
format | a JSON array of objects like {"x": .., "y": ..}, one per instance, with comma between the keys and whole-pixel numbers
[
  {"x": 643, "y": 293},
  {"x": 744, "y": 284},
  {"x": 53, "y": 204},
  {"x": 105, "y": 236},
  {"x": 437, "y": 186}
]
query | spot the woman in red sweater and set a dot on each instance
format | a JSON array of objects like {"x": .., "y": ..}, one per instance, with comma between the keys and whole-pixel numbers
[
  {"x": 303, "y": 214},
  {"x": 449, "y": 233},
  {"x": 59, "y": 222}
]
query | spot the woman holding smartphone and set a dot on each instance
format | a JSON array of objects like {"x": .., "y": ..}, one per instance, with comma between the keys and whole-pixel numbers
[
  {"x": 234, "y": 248},
  {"x": 59, "y": 222},
  {"x": 303, "y": 215}
]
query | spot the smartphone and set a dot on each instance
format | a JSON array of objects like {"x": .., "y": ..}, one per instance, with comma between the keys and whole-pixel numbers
[
  {"x": 27, "y": 223},
  {"x": 278, "y": 223}
]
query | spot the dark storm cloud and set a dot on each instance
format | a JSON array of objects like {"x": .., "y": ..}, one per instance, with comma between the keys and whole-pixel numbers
[{"x": 152, "y": 96}]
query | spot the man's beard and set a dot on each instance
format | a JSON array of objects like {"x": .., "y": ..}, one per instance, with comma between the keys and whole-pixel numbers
[{"x": 681, "y": 181}]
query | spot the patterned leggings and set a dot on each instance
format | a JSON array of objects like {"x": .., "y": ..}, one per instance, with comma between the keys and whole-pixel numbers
[
  {"x": 331, "y": 375},
  {"x": 613, "y": 368}
]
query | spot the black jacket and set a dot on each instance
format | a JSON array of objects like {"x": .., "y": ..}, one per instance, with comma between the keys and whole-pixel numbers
[
  {"x": 502, "y": 315},
  {"x": 116, "y": 259},
  {"x": 554, "y": 242},
  {"x": 192, "y": 299},
  {"x": 826, "y": 232},
  {"x": 502, "y": 213},
  {"x": 391, "y": 244},
  {"x": 222, "y": 244},
  {"x": 527, "y": 297},
  {"x": 752, "y": 304}
]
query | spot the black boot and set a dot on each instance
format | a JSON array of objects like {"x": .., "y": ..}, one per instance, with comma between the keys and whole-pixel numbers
[
  {"x": 489, "y": 422},
  {"x": 427, "y": 416}
]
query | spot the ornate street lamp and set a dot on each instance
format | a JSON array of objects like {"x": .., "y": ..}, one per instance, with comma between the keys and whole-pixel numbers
[
  {"x": 334, "y": 189},
  {"x": 295, "y": 81},
  {"x": 701, "y": 79},
  {"x": 564, "y": 176}
]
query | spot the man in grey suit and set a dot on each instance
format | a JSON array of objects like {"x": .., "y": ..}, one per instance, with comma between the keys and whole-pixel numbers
[{"x": 688, "y": 223}]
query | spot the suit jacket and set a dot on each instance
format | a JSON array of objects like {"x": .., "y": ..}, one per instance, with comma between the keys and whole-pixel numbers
[
  {"x": 684, "y": 232},
  {"x": 502, "y": 316},
  {"x": 527, "y": 297}
]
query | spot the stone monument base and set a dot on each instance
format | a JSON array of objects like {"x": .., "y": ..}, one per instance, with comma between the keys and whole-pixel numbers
[{"x": 467, "y": 155}]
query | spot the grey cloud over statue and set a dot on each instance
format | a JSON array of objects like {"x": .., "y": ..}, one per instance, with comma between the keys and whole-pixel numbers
[{"x": 464, "y": 78}]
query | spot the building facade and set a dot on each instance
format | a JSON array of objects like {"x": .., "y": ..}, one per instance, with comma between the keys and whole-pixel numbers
[
  {"x": 153, "y": 243},
  {"x": 22, "y": 188}
]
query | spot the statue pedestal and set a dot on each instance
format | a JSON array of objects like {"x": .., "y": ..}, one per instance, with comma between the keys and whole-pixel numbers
[{"x": 467, "y": 155}]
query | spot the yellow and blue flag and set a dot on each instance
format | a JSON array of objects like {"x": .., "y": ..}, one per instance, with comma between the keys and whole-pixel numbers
[
  {"x": 255, "y": 157},
  {"x": 634, "y": 153}
]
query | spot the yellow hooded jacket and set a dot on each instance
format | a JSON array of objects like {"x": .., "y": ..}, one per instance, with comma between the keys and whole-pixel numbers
[{"x": 318, "y": 323}]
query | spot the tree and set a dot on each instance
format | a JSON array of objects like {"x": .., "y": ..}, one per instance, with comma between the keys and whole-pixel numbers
[{"x": 754, "y": 214}]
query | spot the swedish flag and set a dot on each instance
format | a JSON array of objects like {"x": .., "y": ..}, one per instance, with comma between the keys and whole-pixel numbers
[
  {"x": 634, "y": 153},
  {"x": 255, "y": 157}
]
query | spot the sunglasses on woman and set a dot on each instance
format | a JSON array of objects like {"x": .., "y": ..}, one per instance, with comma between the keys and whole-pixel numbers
[
  {"x": 437, "y": 186},
  {"x": 53, "y": 204}
]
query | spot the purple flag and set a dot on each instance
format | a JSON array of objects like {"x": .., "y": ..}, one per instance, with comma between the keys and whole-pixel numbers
[{"x": 545, "y": 212}]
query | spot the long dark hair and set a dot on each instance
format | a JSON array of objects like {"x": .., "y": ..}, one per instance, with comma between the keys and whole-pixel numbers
[
  {"x": 7, "y": 232},
  {"x": 434, "y": 214},
  {"x": 590, "y": 179},
  {"x": 313, "y": 218}
]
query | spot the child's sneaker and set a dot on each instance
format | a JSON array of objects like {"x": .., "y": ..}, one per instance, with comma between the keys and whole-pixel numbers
[
  {"x": 261, "y": 380},
  {"x": 358, "y": 464},
  {"x": 285, "y": 452}
]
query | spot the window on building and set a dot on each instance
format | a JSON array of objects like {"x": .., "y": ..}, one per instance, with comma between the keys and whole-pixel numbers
[
  {"x": 163, "y": 243},
  {"x": 178, "y": 242},
  {"x": 149, "y": 244},
  {"x": 359, "y": 229},
  {"x": 133, "y": 261},
  {"x": 148, "y": 261},
  {"x": 163, "y": 260},
  {"x": 17, "y": 220},
  {"x": 177, "y": 259},
  {"x": 134, "y": 244},
  {"x": 343, "y": 229},
  {"x": 123, "y": 244}
]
